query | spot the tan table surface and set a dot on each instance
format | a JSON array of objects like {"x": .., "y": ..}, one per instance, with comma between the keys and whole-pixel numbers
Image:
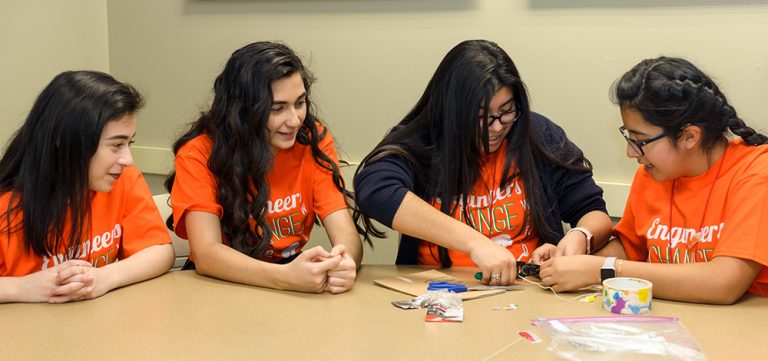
[{"x": 185, "y": 316}]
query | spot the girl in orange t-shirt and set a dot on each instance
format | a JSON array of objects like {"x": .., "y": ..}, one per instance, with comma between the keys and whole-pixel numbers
[
  {"x": 71, "y": 203},
  {"x": 696, "y": 221},
  {"x": 253, "y": 174}
]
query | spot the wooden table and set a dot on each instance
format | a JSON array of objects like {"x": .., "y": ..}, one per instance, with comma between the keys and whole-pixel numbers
[{"x": 185, "y": 316}]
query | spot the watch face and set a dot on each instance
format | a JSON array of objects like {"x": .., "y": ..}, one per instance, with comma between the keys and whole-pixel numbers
[{"x": 606, "y": 273}]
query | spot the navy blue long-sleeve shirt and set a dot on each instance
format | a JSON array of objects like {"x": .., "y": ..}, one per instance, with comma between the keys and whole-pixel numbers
[{"x": 381, "y": 186}]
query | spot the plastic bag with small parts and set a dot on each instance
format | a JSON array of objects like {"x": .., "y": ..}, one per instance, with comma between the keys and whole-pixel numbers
[{"x": 621, "y": 338}]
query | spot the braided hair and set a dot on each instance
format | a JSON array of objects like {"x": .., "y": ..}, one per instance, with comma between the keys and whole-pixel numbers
[{"x": 672, "y": 93}]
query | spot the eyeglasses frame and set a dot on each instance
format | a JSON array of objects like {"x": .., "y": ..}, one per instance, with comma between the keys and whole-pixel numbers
[
  {"x": 637, "y": 145},
  {"x": 493, "y": 118}
]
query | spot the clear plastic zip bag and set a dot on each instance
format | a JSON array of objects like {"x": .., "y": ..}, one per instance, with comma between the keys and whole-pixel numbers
[{"x": 621, "y": 338}]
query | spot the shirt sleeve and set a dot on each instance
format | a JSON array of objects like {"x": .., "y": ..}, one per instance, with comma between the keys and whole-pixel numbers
[
  {"x": 381, "y": 186},
  {"x": 745, "y": 232},
  {"x": 4, "y": 236},
  {"x": 142, "y": 225},
  {"x": 634, "y": 245},
  {"x": 326, "y": 197},
  {"x": 3, "y": 243},
  {"x": 194, "y": 188}
]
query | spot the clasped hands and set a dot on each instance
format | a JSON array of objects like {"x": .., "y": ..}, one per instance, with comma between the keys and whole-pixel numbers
[
  {"x": 73, "y": 280},
  {"x": 317, "y": 270}
]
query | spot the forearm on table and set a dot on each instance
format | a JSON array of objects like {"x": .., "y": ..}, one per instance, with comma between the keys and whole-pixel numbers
[
  {"x": 213, "y": 258},
  {"x": 341, "y": 230},
  {"x": 224, "y": 262},
  {"x": 9, "y": 289},
  {"x": 722, "y": 280},
  {"x": 145, "y": 264},
  {"x": 419, "y": 219}
]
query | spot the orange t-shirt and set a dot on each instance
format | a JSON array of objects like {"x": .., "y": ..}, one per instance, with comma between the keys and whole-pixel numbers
[
  {"x": 735, "y": 223},
  {"x": 495, "y": 212},
  {"x": 299, "y": 189},
  {"x": 123, "y": 222}
]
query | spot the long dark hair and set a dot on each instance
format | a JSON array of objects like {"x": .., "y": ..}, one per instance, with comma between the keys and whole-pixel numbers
[
  {"x": 45, "y": 166},
  {"x": 241, "y": 158},
  {"x": 439, "y": 136},
  {"x": 672, "y": 93}
]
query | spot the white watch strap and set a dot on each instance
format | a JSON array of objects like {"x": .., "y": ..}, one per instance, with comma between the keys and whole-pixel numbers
[
  {"x": 610, "y": 262},
  {"x": 587, "y": 234}
]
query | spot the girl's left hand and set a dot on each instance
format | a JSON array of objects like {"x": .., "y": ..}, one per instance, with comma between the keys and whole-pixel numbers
[
  {"x": 341, "y": 278},
  {"x": 571, "y": 273}
]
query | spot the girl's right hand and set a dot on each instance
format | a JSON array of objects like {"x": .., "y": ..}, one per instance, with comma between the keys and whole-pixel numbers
[
  {"x": 309, "y": 271},
  {"x": 40, "y": 286},
  {"x": 497, "y": 264},
  {"x": 341, "y": 278}
]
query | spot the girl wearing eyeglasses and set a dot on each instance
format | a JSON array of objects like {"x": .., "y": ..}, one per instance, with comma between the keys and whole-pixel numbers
[
  {"x": 252, "y": 175},
  {"x": 471, "y": 177},
  {"x": 696, "y": 221},
  {"x": 77, "y": 218}
]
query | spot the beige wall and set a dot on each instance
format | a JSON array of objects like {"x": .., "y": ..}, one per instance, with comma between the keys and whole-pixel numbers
[
  {"x": 374, "y": 57},
  {"x": 39, "y": 39}
]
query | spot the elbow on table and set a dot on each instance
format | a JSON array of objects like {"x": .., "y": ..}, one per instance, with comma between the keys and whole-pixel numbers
[
  {"x": 202, "y": 266},
  {"x": 203, "y": 263},
  {"x": 726, "y": 297},
  {"x": 156, "y": 259},
  {"x": 169, "y": 256},
  {"x": 729, "y": 279},
  {"x": 722, "y": 292}
]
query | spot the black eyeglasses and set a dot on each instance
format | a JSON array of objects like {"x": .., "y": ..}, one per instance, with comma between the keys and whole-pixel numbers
[
  {"x": 505, "y": 118},
  {"x": 637, "y": 145}
]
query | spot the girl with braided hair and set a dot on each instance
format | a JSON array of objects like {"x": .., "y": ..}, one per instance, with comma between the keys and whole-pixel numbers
[
  {"x": 696, "y": 220},
  {"x": 252, "y": 175}
]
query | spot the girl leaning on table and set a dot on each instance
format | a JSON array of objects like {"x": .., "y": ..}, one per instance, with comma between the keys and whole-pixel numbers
[
  {"x": 77, "y": 219},
  {"x": 472, "y": 177},
  {"x": 252, "y": 175},
  {"x": 696, "y": 221}
]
